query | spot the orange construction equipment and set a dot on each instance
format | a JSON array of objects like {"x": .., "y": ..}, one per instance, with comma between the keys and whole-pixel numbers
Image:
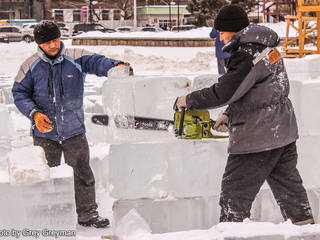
[{"x": 303, "y": 33}]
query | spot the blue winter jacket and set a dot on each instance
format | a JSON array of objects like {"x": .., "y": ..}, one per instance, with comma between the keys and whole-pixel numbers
[
  {"x": 55, "y": 88},
  {"x": 214, "y": 34}
]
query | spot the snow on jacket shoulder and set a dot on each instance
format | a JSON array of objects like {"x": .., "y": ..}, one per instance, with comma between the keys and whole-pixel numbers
[
  {"x": 243, "y": 47},
  {"x": 261, "y": 116},
  {"x": 55, "y": 88}
]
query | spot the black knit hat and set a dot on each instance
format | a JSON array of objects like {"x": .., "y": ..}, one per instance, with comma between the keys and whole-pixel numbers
[
  {"x": 231, "y": 18},
  {"x": 46, "y": 31}
]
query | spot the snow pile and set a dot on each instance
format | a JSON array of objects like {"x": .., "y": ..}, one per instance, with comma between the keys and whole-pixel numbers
[
  {"x": 280, "y": 28},
  {"x": 144, "y": 60},
  {"x": 255, "y": 229},
  {"x": 132, "y": 226},
  {"x": 14, "y": 54},
  {"x": 246, "y": 230},
  {"x": 27, "y": 165},
  {"x": 61, "y": 171},
  {"x": 202, "y": 33}
]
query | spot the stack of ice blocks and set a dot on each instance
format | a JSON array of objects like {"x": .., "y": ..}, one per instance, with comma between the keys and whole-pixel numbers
[
  {"x": 174, "y": 184},
  {"x": 38, "y": 204}
]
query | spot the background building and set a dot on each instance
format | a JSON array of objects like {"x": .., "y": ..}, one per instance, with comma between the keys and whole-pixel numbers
[
  {"x": 114, "y": 13},
  {"x": 22, "y": 9},
  {"x": 162, "y": 15},
  {"x": 117, "y": 13}
]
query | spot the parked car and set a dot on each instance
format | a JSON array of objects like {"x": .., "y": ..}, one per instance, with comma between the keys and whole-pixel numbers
[
  {"x": 124, "y": 29},
  {"x": 64, "y": 29},
  {"x": 87, "y": 27},
  {"x": 4, "y": 39},
  {"x": 16, "y": 33},
  {"x": 151, "y": 29},
  {"x": 29, "y": 26},
  {"x": 183, "y": 27}
]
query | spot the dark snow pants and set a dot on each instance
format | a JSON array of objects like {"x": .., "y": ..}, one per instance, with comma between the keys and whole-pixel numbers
[
  {"x": 245, "y": 174},
  {"x": 76, "y": 154}
]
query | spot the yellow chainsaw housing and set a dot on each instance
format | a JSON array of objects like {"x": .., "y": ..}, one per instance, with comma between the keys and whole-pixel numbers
[{"x": 196, "y": 124}]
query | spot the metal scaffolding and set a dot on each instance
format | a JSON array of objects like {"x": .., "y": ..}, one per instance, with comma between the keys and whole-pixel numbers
[{"x": 305, "y": 33}]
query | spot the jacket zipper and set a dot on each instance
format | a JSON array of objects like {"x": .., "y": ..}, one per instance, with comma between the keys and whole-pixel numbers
[{"x": 54, "y": 99}]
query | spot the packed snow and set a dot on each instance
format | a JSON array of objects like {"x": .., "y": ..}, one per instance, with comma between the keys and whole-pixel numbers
[{"x": 198, "y": 33}]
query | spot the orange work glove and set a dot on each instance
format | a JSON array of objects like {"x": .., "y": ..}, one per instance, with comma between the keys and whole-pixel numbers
[
  {"x": 126, "y": 64},
  {"x": 43, "y": 123}
]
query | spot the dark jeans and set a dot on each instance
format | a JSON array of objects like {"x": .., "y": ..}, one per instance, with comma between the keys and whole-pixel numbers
[
  {"x": 222, "y": 63},
  {"x": 76, "y": 154},
  {"x": 245, "y": 174}
]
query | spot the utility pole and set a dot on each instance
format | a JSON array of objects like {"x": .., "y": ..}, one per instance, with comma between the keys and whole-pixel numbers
[
  {"x": 170, "y": 25},
  {"x": 90, "y": 11},
  {"x": 134, "y": 14},
  {"x": 258, "y": 11},
  {"x": 178, "y": 15},
  {"x": 47, "y": 9}
]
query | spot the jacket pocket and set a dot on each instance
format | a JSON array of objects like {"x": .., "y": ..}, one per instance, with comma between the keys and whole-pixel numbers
[
  {"x": 237, "y": 124},
  {"x": 79, "y": 119}
]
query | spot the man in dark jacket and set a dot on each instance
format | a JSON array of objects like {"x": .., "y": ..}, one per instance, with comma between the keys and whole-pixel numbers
[
  {"x": 48, "y": 89},
  {"x": 260, "y": 118}
]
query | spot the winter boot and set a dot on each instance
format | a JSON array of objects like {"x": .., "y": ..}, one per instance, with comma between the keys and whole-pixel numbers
[
  {"x": 305, "y": 222},
  {"x": 97, "y": 222}
]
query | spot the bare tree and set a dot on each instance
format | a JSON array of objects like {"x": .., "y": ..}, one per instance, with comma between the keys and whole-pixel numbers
[
  {"x": 72, "y": 4},
  {"x": 202, "y": 10},
  {"x": 126, "y": 7},
  {"x": 246, "y": 4}
]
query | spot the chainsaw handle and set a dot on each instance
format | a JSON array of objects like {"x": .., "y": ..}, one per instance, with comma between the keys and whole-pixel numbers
[
  {"x": 213, "y": 122},
  {"x": 181, "y": 121},
  {"x": 175, "y": 107}
]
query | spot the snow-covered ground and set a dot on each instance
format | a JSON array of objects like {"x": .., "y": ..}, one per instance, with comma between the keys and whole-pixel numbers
[
  {"x": 202, "y": 32},
  {"x": 145, "y": 60},
  {"x": 148, "y": 61}
]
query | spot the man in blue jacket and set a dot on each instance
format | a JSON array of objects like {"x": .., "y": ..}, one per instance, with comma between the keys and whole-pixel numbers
[
  {"x": 222, "y": 57},
  {"x": 48, "y": 89}
]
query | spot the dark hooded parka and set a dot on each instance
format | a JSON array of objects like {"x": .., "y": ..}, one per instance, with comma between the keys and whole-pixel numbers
[{"x": 261, "y": 116}]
